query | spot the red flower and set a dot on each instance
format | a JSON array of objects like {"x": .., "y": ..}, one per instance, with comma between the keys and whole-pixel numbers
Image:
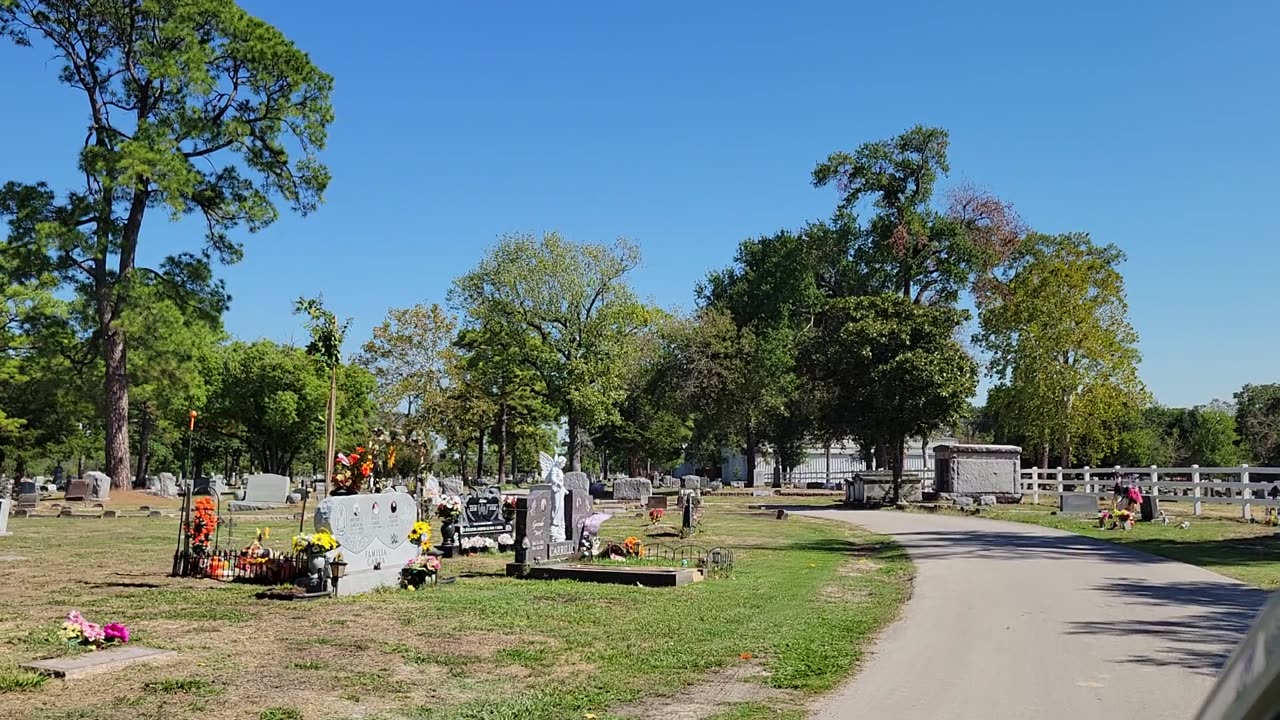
[{"x": 359, "y": 448}]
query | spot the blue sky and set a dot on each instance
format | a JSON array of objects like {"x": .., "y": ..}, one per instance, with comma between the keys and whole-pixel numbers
[{"x": 690, "y": 126}]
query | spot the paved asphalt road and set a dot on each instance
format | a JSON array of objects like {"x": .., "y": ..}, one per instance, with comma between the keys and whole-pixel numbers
[{"x": 1017, "y": 621}]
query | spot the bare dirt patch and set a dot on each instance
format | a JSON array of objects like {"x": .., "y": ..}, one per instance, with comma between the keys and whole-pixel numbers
[{"x": 715, "y": 693}]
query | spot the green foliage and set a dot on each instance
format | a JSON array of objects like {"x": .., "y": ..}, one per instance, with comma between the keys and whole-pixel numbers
[
  {"x": 190, "y": 686},
  {"x": 1258, "y": 421},
  {"x": 280, "y": 712},
  {"x": 571, "y": 310},
  {"x": 14, "y": 679},
  {"x": 326, "y": 332},
  {"x": 272, "y": 399},
  {"x": 1212, "y": 441},
  {"x": 194, "y": 106},
  {"x": 908, "y": 246},
  {"x": 1062, "y": 352},
  {"x": 407, "y": 356},
  {"x": 893, "y": 369}
]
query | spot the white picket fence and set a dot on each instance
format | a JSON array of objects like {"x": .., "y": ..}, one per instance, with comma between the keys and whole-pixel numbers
[{"x": 1244, "y": 486}]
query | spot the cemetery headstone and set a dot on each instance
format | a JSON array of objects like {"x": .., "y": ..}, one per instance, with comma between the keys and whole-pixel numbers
[
  {"x": 714, "y": 486},
  {"x": 533, "y": 523},
  {"x": 691, "y": 482},
  {"x": 5, "y": 504},
  {"x": 686, "y": 518},
  {"x": 482, "y": 513},
  {"x": 579, "y": 510},
  {"x": 989, "y": 500},
  {"x": 657, "y": 502},
  {"x": 100, "y": 487},
  {"x": 59, "y": 475},
  {"x": 27, "y": 487},
  {"x": 262, "y": 492},
  {"x": 632, "y": 489},
  {"x": 77, "y": 489},
  {"x": 1073, "y": 504},
  {"x": 668, "y": 481},
  {"x": 596, "y": 489},
  {"x": 451, "y": 486},
  {"x": 577, "y": 480},
  {"x": 373, "y": 536},
  {"x": 28, "y": 495}
]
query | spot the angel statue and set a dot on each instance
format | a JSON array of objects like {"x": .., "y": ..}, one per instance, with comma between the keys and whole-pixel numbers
[{"x": 553, "y": 475}]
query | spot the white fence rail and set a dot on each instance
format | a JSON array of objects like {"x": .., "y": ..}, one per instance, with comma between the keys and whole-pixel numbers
[{"x": 1244, "y": 486}]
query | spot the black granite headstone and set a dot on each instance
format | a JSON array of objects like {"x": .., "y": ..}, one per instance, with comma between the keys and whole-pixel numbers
[{"x": 538, "y": 523}]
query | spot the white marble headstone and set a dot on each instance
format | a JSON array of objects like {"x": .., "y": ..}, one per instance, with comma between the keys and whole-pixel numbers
[
  {"x": 99, "y": 485},
  {"x": 4, "y": 516},
  {"x": 373, "y": 536}
]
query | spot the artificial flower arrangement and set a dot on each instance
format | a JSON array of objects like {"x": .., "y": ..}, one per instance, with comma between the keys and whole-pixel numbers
[
  {"x": 419, "y": 571},
  {"x": 655, "y": 515},
  {"x": 80, "y": 632},
  {"x": 420, "y": 534},
  {"x": 509, "y": 507},
  {"x": 204, "y": 520},
  {"x": 351, "y": 470},
  {"x": 632, "y": 547},
  {"x": 479, "y": 544},
  {"x": 449, "y": 509},
  {"x": 1123, "y": 518},
  {"x": 505, "y": 540},
  {"x": 321, "y": 541}
]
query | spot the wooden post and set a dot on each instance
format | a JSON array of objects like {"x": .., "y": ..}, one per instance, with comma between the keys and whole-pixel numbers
[
  {"x": 1035, "y": 486},
  {"x": 1155, "y": 482},
  {"x": 1058, "y": 477},
  {"x": 1245, "y": 493},
  {"x": 330, "y": 430},
  {"x": 1088, "y": 480},
  {"x": 1195, "y": 492}
]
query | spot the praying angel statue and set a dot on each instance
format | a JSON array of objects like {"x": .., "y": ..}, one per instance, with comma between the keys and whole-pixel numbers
[{"x": 553, "y": 475}]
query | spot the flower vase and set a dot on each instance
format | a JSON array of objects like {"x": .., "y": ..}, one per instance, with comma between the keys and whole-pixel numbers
[
  {"x": 449, "y": 539},
  {"x": 317, "y": 564}
]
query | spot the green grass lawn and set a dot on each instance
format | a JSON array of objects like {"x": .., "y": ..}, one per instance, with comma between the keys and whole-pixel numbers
[
  {"x": 1249, "y": 552},
  {"x": 797, "y": 614}
]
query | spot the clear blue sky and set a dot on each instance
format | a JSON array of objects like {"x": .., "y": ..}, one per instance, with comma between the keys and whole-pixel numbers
[{"x": 690, "y": 126}]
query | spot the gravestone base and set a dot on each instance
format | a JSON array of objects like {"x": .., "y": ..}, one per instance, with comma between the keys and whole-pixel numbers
[
  {"x": 614, "y": 574},
  {"x": 101, "y": 661},
  {"x": 367, "y": 580}
]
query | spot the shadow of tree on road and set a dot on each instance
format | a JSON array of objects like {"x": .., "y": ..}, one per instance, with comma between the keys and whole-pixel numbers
[{"x": 1217, "y": 615}]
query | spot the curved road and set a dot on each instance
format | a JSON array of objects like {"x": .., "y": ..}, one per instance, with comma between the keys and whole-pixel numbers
[{"x": 1018, "y": 621}]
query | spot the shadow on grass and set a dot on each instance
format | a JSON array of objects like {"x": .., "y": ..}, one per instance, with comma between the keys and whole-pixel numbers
[{"x": 1215, "y": 615}]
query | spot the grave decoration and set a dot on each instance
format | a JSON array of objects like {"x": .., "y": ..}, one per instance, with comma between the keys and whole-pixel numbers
[
  {"x": 315, "y": 547},
  {"x": 422, "y": 570},
  {"x": 449, "y": 510},
  {"x": 350, "y": 472},
  {"x": 553, "y": 475},
  {"x": 79, "y": 632},
  {"x": 535, "y": 520},
  {"x": 655, "y": 515}
]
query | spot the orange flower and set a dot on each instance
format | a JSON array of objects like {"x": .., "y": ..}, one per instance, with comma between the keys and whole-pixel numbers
[
  {"x": 367, "y": 468},
  {"x": 745, "y": 656},
  {"x": 359, "y": 448}
]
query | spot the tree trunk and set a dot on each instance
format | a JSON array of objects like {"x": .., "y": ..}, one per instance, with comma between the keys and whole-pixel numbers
[
  {"x": 117, "y": 409},
  {"x": 480, "y": 457},
  {"x": 751, "y": 458},
  {"x": 901, "y": 446},
  {"x": 144, "y": 446},
  {"x": 571, "y": 444},
  {"x": 462, "y": 462},
  {"x": 826, "y": 449},
  {"x": 330, "y": 430},
  {"x": 1044, "y": 457},
  {"x": 502, "y": 445},
  {"x": 882, "y": 455},
  {"x": 513, "y": 460}
]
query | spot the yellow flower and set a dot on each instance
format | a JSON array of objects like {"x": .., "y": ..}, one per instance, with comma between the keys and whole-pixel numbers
[{"x": 588, "y": 716}]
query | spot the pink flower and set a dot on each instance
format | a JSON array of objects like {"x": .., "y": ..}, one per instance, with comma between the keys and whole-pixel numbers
[
  {"x": 75, "y": 618},
  {"x": 343, "y": 459},
  {"x": 115, "y": 632},
  {"x": 93, "y": 633}
]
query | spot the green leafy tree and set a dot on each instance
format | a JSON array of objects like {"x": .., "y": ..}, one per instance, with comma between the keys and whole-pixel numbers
[
  {"x": 1212, "y": 440},
  {"x": 196, "y": 108},
  {"x": 408, "y": 356},
  {"x": 1258, "y": 421},
  {"x": 572, "y": 302},
  {"x": 910, "y": 246},
  {"x": 723, "y": 376},
  {"x": 893, "y": 368},
  {"x": 650, "y": 428},
  {"x": 327, "y": 335},
  {"x": 272, "y": 398},
  {"x": 1056, "y": 326}
]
